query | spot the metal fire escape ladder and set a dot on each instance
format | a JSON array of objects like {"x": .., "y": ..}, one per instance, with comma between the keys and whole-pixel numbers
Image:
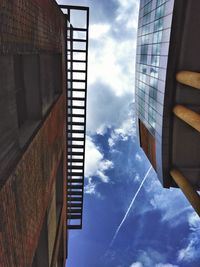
[{"x": 76, "y": 64}]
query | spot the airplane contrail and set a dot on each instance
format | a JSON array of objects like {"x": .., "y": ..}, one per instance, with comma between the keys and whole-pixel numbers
[{"x": 130, "y": 206}]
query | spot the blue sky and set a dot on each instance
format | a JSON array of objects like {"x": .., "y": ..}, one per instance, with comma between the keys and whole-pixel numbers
[{"x": 161, "y": 228}]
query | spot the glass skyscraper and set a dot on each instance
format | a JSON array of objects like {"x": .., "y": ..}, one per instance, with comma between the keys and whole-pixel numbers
[
  {"x": 167, "y": 92},
  {"x": 154, "y": 27}
]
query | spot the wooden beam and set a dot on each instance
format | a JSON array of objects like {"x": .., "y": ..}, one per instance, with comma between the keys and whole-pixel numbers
[
  {"x": 189, "y": 78},
  {"x": 188, "y": 190},
  {"x": 187, "y": 115}
]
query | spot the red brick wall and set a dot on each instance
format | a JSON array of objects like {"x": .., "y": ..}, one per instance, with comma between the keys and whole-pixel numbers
[
  {"x": 33, "y": 25},
  {"x": 25, "y": 196}
]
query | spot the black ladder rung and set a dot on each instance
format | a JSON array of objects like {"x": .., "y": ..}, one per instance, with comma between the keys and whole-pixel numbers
[
  {"x": 77, "y": 60},
  {"x": 75, "y": 173},
  {"x": 77, "y": 29},
  {"x": 78, "y": 123},
  {"x": 74, "y": 70},
  {"x": 75, "y": 146},
  {"x": 74, "y": 199},
  {"x": 72, "y": 175},
  {"x": 70, "y": 138},
  {"x": 78, "y": 89},
  {"x": 77, "y": 107},
  {"x": 74, "y": 211},
  {"x": 75, "y": 131},
  {"x": 76, "y": 116},
  {"x": 80, "y": 180},
  {"x": 77, "y": 40},
  {"x": 76, "y": 98},
  {"x": 76, "y": 138},
  {"x": 76, "y": 80},
  {"x": 74, "y": 217},
  {"x": 75, "y": 167},
  {"x": 74, "y": 205},
  {"x": 77, "y": 50},
  {"x": 75, "y": 186},
  {"x": 74, "y": 227},
  {"x": 74, "y": 153},
  {"x": 73, "y": 162}
]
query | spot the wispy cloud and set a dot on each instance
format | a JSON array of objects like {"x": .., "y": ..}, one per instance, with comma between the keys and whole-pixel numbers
[
  {"x": 111, "y": 71},
  {"x": 138, "y": 157},
  {"x": 136, "y": 264},
  {"x": 190, "y": 252},
  {"x": 95, "y": 163},
  {"x": 151, "y": 258},
  {"x": 165, "y": 265},
  {"x": 139, "y": 264},
  {"x": 106, "y": 110},
  {"x": 125, "y": 130},
  {"x": 90, "y": 187},
  {"x": 115, "y": 67},
  {"x": 99, "y": 30},
  {"x": 127, "y": 13}
]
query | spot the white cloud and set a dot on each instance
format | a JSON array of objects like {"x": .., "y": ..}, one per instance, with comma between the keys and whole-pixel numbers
[
  {"x": 128, "y": 13},
  {"x": 137, "y": 177},
  {"x": 165, "y": 265},
  {"x": 191, "y": 251},
  {"x": 171, "y": 203},
  {"x": 106, "y": 110},
  {"x": 194, "y": 222},
  {"x": 95, "y": 164},
  {"x": 99, "y": 30},
  {"x": 136, "y": 264},
  {"x": 90, "y": 188},
  {"x": 125, "y": 130},
  {"x": 112, "y": 57},
  {"x": 108, "y": 62},
  {"x": 151, "y": 258},
  {"x": 111, "y": 73},
  {"x": 138, "y": 157}
]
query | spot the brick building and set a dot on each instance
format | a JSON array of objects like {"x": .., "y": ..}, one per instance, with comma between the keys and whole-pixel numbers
[{"x": 39, "y": 148}]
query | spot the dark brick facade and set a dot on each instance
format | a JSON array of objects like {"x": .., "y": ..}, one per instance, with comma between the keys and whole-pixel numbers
[
  {"x": 26, "y": 194},
  {"x": 30, "y": 26},
  {"x": 34, "y": 27}
]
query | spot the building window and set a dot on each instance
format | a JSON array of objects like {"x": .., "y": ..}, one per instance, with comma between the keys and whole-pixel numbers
[
  {"x": 38, "y": 83},
  {"x": 27, "y": 91},
  {"x": 50, "y": 79}
]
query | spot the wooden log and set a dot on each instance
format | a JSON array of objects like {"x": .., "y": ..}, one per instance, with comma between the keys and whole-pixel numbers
[
  {"x": 188, "y": 190},
  {"x": 189, "y": 78},
  {"x": 187, "y": 115}
]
